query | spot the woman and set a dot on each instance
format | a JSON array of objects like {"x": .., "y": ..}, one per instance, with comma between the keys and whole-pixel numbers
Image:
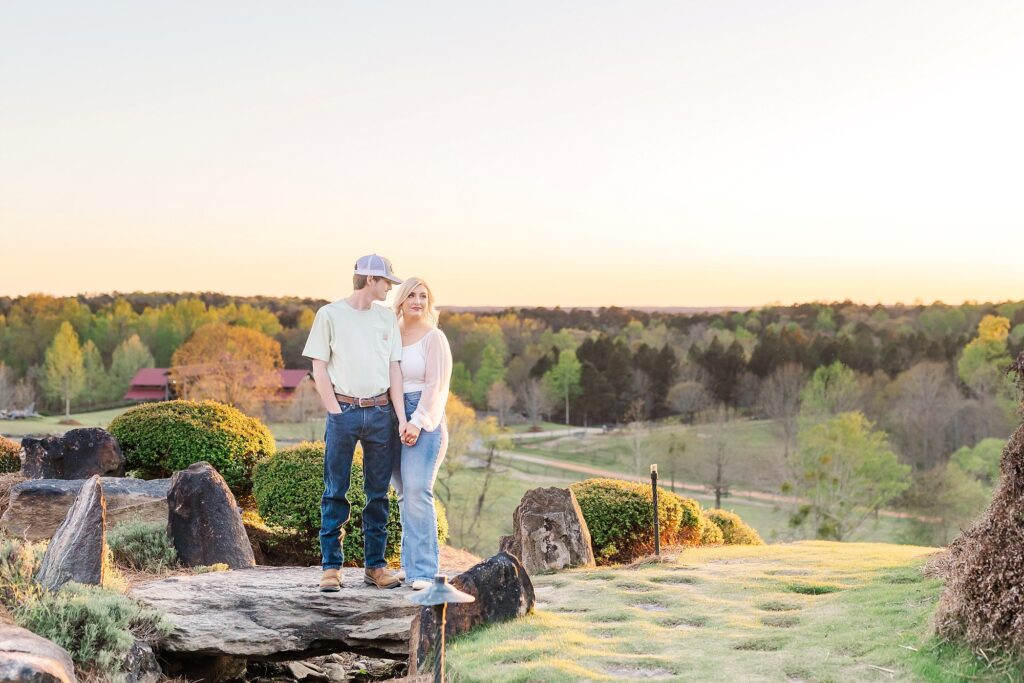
[{"x": 426, "y": 373}]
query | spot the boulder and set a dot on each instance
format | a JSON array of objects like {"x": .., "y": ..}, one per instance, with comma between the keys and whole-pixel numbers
[
  {"x": 38, "y": 506},
  {"x": 140, "y": 664},
  {"x": 24, "y": 656},
  {"x": 276, "y": 613},
  {"x": 77, "y": 552},
  {"x": 78, "y": 454},
  {"x": 549, "y": 532},
  {"x": 204, "y": 521},
  {"x": 503, "y": 591}
]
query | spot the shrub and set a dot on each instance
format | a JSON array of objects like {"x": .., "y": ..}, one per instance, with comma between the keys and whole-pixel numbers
[
  {"x": 97, "y": 627},
  {"x": 162, "y": 438},
  {"x": 618, "y": 514},
  {"x": 734, "y": 530},
  {"x": 710, "y": 534},
  {"x": 142, "y": 546},
  {"x": 19, "y": 563},
  {"x": 691, "y": 520},
  {"x": 288, "y": 486},
  {"x": 10, "y": 455}
]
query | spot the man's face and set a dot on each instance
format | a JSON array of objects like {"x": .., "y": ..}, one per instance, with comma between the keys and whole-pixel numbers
[{"x": 379, "y": 287}]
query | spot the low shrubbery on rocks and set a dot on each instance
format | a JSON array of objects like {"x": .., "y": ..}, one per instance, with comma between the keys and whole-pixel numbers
[
  {"x": 288, "y": 485},
  {"x": 159, "y": 439},
  {"x": 95, "y": 625},
  {"x": 142, "y": 546}
]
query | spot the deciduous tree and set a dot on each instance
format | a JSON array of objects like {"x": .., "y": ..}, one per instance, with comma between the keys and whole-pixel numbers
[{"x": 64, "y": 367}]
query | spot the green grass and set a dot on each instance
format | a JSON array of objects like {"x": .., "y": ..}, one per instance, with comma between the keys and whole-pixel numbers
[
  {"x": 544, "y": 427},
  {"x": 51, "y": 424},
  {"x": 755, "y": 452},
  {"x": 738, "y": 620}
]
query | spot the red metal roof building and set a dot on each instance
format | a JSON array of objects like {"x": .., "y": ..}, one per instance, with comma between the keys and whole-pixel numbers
[{"x": 151, "y": 384}]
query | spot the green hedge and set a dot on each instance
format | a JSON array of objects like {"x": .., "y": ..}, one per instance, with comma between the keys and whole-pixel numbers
[
  {"x": 618, "y": 514},
  {"x": 734, "y": 530},
  {"x": 159, "y": 439},
  {"x": 10, "y": 458},
  {"x": 288, "y": 487}
]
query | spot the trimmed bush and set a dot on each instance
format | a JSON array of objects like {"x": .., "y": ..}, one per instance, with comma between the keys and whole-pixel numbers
[
  {"x": 710, "y": 534},
  {"x": 97, "y": 627},
  {"x": 288, "y": 486},
  {"x": 10, "y": 458},
  {"x": 618, "y": 514},
  {"x": 142, "y": 546},
  {"x": 161, "y": 438},
  {"x": 734, "y": 530}
]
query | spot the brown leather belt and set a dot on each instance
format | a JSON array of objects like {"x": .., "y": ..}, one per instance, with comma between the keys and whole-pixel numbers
[{"x": 378, "y": 400}]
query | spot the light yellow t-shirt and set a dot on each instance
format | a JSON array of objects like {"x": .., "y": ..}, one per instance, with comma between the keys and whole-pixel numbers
[{"x": 357, "y": 347}]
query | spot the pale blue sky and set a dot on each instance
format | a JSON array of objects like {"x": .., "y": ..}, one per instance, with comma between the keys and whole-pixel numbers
[{"x": 573, "y": 153}]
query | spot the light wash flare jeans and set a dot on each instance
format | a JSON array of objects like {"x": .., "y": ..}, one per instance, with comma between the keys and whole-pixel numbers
[{"x": 413, "y": 478}]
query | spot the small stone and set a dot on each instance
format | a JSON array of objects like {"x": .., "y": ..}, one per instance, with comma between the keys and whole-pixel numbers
[
  {"x": 303, "y": 670},
  {"x": 78, "y": 454},
  {"x": 140, "y": 664},
  {"x": 204, "y": 521},
  {"x": 77, "y": 550}
]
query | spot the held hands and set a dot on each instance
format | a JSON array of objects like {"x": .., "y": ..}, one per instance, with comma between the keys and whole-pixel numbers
[{"x": 409, "y": 433}]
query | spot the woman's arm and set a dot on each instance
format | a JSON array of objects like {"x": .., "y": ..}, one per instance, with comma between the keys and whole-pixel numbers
[{"x": 438, "y": 377}]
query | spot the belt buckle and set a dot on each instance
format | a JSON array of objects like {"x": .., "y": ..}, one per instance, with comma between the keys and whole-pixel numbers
[{"x": 366, "y": 402}]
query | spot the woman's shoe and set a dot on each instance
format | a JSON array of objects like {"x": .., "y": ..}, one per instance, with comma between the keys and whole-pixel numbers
[{"x": 420, "y": 584}]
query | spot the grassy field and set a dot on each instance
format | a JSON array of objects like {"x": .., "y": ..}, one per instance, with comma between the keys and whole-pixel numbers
[
  {"x": 810, "y": 611},
  {"x": 754, "y": 452},
  {"x": 51, "y": 424}
]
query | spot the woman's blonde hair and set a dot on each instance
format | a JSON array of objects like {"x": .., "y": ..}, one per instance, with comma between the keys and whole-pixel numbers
[{"x": 403, "y": 293}]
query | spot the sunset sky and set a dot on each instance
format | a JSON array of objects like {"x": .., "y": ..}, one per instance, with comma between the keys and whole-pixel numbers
[{"x": 710, "y": 152}]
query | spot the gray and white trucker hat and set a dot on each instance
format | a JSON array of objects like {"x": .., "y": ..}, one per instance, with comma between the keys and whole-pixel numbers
[{"x": 378, "y": 266}]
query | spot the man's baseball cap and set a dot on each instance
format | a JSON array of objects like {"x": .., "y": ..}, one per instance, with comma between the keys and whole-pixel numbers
[{"x": 378, "y": 266}]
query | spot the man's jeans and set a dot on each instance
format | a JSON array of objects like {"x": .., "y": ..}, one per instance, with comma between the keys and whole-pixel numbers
[
  {"x": 413, "y": 479},
  {"x": 376, "y": 428}
]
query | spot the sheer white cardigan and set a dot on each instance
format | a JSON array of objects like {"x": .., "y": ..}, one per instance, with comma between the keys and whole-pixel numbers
[{"x": 437, "y": 377}]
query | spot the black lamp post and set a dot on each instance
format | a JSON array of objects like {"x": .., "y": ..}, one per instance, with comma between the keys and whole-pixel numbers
[
  {"x": 437, "y": 598},
  {"x": 654, "y": 496}
]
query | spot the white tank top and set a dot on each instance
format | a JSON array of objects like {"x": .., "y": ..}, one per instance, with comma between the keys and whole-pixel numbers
[{"x": 414, "y": 366}]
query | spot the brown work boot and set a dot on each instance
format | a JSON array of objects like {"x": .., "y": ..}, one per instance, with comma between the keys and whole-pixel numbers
[
  {"x": 330, "y": 581},
  {"x": 381, "y": 578}
]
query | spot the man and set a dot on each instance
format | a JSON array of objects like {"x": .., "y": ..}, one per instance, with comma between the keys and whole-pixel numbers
[{"x": 355, "y": 347}]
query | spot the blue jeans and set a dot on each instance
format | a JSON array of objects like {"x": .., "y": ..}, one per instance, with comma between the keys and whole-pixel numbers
[
  {"x": 376, "y": 428},
  {"x": 413, "y": 479}
]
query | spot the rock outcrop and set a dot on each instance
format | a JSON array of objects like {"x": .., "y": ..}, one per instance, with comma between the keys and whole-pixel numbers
[
  {"x": 38, "y": 506},
  {"x": 277, "y": 613},
  {"x": 549, "y": 532},
  {"x": 77, "y": 551},
  {"x": 24, "y": 656},
  {"x": 204, "y": 521},
  {"x": 78, "y": 454},
  {"x": 503, "y": 591}
]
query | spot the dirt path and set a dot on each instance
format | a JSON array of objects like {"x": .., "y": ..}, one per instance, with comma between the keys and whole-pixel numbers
[{"x": 696, "y": 488}]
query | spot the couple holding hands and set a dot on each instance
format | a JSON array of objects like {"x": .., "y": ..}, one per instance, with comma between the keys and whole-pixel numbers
[{"x": 383, "y": 377}]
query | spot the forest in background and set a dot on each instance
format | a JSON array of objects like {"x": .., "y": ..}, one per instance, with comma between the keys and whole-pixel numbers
[{"x": 923, "y": 388}]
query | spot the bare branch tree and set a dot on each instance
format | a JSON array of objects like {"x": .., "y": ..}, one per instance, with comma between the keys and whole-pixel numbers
[{"x": 780, "y": 400}]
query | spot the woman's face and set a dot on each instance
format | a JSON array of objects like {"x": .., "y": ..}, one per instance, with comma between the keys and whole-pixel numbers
[{"x": 415, "y": 305}]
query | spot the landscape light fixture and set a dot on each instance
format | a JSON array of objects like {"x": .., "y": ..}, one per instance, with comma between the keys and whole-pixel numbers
[
  {"x": 654, "y": 499},
  {"x": 437, "y": 598}
]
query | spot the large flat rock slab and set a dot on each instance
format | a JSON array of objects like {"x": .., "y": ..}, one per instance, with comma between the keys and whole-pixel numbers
[
  {"x": 39, "y": 506},
  {"x": 278, "y": 613}
]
